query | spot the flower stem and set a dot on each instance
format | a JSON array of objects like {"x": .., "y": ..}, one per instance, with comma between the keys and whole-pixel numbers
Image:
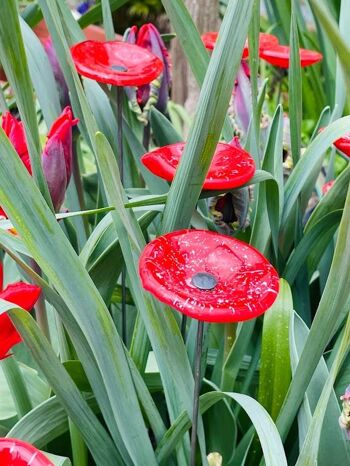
[
  {"x": 17, "y": 386},
  {"x": 40, "y": 308},
  {"x": 197, "y": 385},
  {"x": 79, "y": 450}
]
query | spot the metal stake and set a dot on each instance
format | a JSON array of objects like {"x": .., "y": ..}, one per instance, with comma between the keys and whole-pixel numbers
[
  {"x": 197, "y": 385},
  {"x": 120, "y": 93}
]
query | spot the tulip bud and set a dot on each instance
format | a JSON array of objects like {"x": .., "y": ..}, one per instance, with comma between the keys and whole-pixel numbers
[
  {"x": 243, "y": 97},
  {"x": 57, "y": 157},
  {"x": 157, "y": 92},
  {"x": 150, "y": 39},
  {"x": 15, "y": 132}
]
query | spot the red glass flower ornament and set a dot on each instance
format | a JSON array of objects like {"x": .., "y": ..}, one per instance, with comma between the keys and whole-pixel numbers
[
  {"x": 343, "y": 144},
  {"x": 25, "y": 296},
  {"x": 208, "y": 276},
  {"x": 209, "y": 39},
  {"x": 231, "y": 166},
  {"x": 14, "y": 452},
  {"x": 117, "y": 63},
  {"x": 265, "y": 41},
  {"x": 279, "y": 56},
  {"x": 327, "y": 186}
]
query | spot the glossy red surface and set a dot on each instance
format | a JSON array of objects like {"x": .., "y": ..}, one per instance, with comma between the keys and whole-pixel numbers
[
  {"x": 115, "y": 62},
  {"x": 247, "y": 284},
  {"x": 343, "y": 144},
  {"x": 231, "y": 166},
  {"x": 14, "y": 452},
  {"x": 265, "y": 41},
  {"x": 25, "y": 296},
  {"x": 279, "y": 56}
]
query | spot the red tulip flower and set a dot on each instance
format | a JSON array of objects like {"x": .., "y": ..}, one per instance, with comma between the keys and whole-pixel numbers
[
  {"x": 57, "y": 155},
  {"x": 15, "y": 132},
  {"x": 24, "y": 296},
  {"x": 208, "y": 276},
  {"x": 230, "y": 168},
  {"x": 343, "y": 144},
  {"x": 14, "y": 452},
  {"x": 149, "y": 38},
  {"x": 265, "y": 41},
  {"x": 279, "y": 56},
  {"x": 117, "y": 63}
]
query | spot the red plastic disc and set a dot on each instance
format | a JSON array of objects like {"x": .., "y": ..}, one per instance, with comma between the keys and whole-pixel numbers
[
  {"x": 265, "y": 41},
  {"x": 343, "y": 144},
  {"x": 208, "y": 276},
  {"x": 279, "y": 56},
  {"x": 117, "y": 63},
  {"x": 231, "y": 166}
]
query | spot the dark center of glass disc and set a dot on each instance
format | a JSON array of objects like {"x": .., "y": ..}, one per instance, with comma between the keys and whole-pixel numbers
[
  {"x": 204, "y": 281},
  {"x": 119, "y": 68}
]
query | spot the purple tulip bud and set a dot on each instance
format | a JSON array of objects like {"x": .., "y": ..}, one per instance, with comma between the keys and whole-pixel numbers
[
  {"x": 243, "y": 97},
  {"x": 57, "y": 157},
  {"x": 148, "y": 37},
  {"x": 130, "y": 35}
]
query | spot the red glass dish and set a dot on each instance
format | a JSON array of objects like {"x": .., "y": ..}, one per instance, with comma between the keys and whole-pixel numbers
[
  {"x": 343, "y": 144},
  {"x": 265, "y": 41},
  {"x": 25, "y": 296},
  {"x": 231, "y": 166},
  {"x": 209, "y": 277},
  {"x": 14, "y": 452},
  {"x": 117, "y": 63},
  {"x": 279, "y": 56}
]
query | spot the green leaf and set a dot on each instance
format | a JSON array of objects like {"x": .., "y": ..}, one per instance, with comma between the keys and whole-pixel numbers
[
  {"x": 92, "y": 431},
  {"x": 163, "y": 131},
  {"x": 14, "y": 61},
  {"x": 295, "y": 87},
  {"x": 160, "y": 324},
  {"x": 37, "y": 388},
  {"x": 334, "y": 303},
  {"x": 275, "y": 371},
  {"x": 331, "y": 28},
  {"x": 270, "y": 441},
  {"x": 333, "y": 443},
  {"x": 211, "y": 111},
  {"x": 270, "y": 195},
  {"x": 56, "y": 257},
  {"x": 94, "y": 15},
  {"x": 312, "y": 246},
  {"x": 333, "y": 200},
  {"x": 307, "y": 169},
  {"x": 46, "y": 422},
  {"x": 42, "y": 75}
]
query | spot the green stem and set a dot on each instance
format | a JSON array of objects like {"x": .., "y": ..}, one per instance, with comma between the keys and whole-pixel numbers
[
  {"x": 17, "y": 386},
  {"x": 77, "y": 181},
  {"x": 3, "y": 104},
  {"x": 40, "y": 308},
  {"x": 79, "y": 450}
]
